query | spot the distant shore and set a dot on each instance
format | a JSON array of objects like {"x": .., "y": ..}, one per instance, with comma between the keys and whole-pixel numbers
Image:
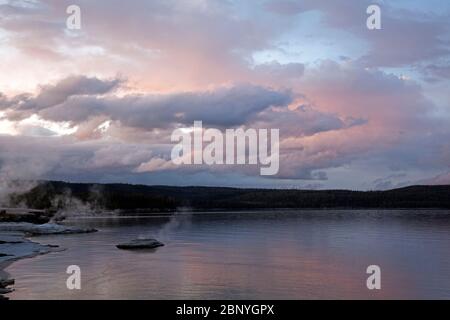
[{"x": 52, "y": 196}]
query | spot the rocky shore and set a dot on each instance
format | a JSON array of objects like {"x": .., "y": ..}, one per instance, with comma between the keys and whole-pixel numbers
[
  {"x": 25, "y": 215},
  {"x": 14, "y": 245}
]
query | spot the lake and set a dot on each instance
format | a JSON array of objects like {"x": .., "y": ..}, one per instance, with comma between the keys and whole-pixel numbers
[{"x": 306, "y": 254}]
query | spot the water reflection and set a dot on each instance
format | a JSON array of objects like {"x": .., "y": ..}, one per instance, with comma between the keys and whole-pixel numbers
[{"x": 250, "y": 255}]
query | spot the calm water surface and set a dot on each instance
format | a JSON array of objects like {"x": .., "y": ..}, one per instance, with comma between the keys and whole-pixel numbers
[{"x": 249, "y": 255}]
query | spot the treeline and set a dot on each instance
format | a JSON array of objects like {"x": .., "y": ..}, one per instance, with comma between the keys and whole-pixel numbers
[{"x": 56, "y": 195}]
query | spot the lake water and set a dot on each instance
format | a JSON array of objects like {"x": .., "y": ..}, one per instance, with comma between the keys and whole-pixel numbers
[{"x": 249, "y": 255}]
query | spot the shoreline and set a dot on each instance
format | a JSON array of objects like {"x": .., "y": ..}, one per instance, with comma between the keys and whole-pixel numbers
[
  {"x": 184, "y": 213},
  {"x": 15, "y": 245},
  {"x": 26, "y": 249}
]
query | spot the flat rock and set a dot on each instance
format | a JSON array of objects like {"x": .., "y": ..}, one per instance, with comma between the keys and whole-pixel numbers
[{"x": 139, "y": 244}]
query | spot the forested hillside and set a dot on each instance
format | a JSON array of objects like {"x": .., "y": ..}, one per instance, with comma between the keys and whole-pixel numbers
[{"x": 56, "y": 195}]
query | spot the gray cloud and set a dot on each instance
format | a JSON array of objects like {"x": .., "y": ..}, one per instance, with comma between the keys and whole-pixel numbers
[
  {"x": 24, "y": 105},
  {"x": 77, "y": 99},
  {"x": 222, "y": 107},
  {"x": 305, "y": 120}
]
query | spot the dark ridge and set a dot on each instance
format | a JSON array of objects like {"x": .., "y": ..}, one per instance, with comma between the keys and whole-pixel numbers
[{"x": 54, "y": 195}]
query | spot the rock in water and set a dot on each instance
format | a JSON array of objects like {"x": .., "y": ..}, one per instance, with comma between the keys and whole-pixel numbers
[{"x": 140, "y": 244}]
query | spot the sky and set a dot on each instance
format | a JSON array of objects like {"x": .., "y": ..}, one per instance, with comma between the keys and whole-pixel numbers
[{"x": 357, "y": 108}]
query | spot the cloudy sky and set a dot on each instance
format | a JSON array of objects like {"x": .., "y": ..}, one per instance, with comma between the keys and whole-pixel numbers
[{"x": 356, "y": 108}]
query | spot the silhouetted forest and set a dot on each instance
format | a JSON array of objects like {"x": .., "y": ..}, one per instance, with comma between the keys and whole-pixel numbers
[{"x": 56, "y": 195}]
